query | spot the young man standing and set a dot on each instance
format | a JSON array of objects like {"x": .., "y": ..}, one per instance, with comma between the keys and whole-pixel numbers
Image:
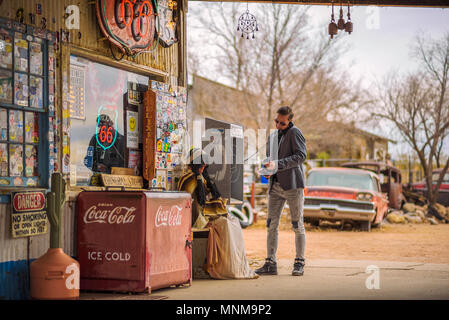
[{"x": 286, "y": 152}]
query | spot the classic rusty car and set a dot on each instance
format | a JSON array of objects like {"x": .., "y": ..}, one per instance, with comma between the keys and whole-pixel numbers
[
  {"x": 344, "y": 194},
  {"x": 390, "y": 180},
  {"x": 443, "y": 193}
]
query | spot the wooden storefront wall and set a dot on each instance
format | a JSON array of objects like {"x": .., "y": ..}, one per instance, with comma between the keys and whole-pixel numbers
[
  {"x": 163, "y": 64},
  {"x": 163, "y": 61}
]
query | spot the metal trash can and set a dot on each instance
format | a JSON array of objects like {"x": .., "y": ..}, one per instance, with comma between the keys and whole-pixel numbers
[{"x": 134, "y": 241}]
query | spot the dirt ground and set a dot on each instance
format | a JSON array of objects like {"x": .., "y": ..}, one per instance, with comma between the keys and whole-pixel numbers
[{"x": 393, "y": 242}]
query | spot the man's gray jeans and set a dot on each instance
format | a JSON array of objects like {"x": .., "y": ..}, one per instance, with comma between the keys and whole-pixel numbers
[{"x": 276, "y": 202}]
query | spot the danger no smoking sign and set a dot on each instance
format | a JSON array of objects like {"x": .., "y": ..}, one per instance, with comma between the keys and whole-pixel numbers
[{"x": 29, "y": 214}]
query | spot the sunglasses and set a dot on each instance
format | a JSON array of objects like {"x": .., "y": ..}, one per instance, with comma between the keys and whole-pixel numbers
[{"x": 280, "y": 122}]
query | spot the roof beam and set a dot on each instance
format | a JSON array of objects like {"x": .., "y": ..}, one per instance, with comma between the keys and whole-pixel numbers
[{"x": 379, "y": 3}]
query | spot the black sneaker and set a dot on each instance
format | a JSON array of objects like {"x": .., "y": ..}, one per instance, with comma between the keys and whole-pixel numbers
[
  {"x": 269, "y": 268},
  {"x": 298, "y": 268}
]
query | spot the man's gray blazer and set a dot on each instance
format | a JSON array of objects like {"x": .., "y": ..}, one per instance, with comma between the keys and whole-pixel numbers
[{"x": 289, "y": 156}]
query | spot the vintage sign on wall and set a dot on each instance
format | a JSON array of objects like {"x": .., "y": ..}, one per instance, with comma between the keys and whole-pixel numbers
[
  {"x": 76, "y": 92},
  {"x": 128, "y": 24},
  {"x": 29, "y": 214},
  {"x": 111, "y": 180},
  {"x": 166, "y": 22},
  {"x": 132, "y": 127}
]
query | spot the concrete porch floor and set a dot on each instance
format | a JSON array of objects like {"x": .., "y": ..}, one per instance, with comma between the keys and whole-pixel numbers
[{"x": 323, "y": 280}]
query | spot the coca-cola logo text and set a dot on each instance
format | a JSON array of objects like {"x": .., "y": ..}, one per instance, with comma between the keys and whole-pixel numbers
[
  {"x": 168, "y": 216},
  {"x": 117, "y": 215}
]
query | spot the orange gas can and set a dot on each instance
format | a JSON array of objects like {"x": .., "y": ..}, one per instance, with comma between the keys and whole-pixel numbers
[{"x": 55, "y": 275}]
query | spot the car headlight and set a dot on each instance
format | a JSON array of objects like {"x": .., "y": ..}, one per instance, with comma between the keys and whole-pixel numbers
[{"x": 364, "y": 196}]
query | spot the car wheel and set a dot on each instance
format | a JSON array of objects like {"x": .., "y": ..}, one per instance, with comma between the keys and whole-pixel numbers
[
  {"x": 365, "y": 226},
  {"x": 375, "y": 225},
  {"x": 315, "y": 223}
]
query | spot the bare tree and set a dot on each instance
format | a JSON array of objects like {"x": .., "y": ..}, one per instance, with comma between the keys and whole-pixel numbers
[
  {"x": 284, "y": 61},
  {"x": 439, "y": 153},
  {"x": 418, "y": 106}
]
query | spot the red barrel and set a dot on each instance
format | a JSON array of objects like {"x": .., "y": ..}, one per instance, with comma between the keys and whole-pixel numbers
[{"x": 55, "y": 275}]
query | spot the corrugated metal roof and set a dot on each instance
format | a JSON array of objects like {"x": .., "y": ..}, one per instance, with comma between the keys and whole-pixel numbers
[
  {"x": 11, "y": 249},
  {"x": 16, "y": 254},
  {"x": 14, "y": 275},
  {"x": 14, "y": 280},
  {"x": 163, "y": 59}
]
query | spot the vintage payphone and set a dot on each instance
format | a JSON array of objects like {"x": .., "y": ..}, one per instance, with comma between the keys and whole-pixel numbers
[{"x": 228, "y": 172}]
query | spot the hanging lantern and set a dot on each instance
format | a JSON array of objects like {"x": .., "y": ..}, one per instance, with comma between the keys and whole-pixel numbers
[
  {"x": 247, "y": 24},
  {"x": 341, "y": 21},
  {"x": 332, "y": 26},
  {"x": 348, "y": 25}
]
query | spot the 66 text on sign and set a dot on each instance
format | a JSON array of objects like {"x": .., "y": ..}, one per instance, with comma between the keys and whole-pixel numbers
[{"x": 132, "y": 12}]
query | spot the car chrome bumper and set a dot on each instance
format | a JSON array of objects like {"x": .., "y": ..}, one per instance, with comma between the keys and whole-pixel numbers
[{"x": 317, "y": 212}]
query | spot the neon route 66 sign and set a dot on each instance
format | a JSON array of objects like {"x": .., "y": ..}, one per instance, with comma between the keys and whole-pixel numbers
[
  {"x": 106, "y": 128},
  {"x": 128, "y": 24}
]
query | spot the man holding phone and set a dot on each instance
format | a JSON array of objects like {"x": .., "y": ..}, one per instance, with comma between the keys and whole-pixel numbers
[{"x": 286, "y": 152}]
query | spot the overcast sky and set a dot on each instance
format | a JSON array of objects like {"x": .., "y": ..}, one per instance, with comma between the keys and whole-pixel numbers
[
  {"x": 380, "y": 43},
  {"x": 382, "y": 36},
  {"x": 381, "y": 39}
]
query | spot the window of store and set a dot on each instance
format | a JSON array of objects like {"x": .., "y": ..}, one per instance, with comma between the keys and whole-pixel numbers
[
  {"x": 25, "y": 75},
  {"x": 106, "y": 114}
]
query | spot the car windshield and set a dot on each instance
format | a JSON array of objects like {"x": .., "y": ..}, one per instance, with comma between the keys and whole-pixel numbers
[
  {"x": 436, "y": 176},
  {"x": 341, "y": 179}
]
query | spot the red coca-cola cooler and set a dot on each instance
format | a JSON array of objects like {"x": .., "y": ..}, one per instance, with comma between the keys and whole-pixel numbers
[{"x": 134, "y": 240}]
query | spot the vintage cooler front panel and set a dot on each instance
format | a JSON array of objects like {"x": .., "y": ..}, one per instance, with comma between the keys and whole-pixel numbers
[
  {"x": 169, "y": 226},
  {"x": 111, "y": 240}
]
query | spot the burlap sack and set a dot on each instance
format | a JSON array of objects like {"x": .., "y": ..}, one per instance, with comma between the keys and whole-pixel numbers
[{"x": 226, "y": 256}]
